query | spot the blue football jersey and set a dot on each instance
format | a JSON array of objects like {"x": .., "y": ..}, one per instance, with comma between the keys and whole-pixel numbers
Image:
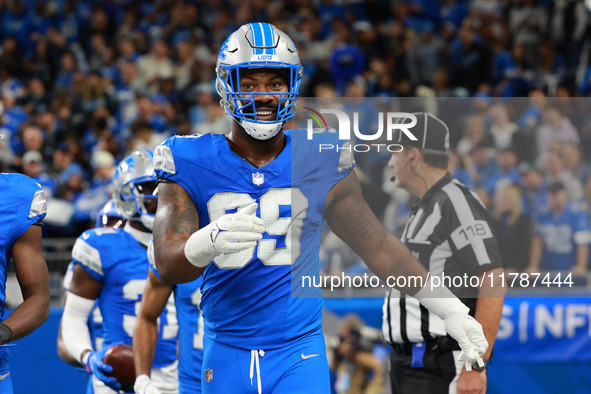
[
  {"x": 187, "y": 300},
  {"x": 561, "y": 233},
  {"x": 95, "y": 320},
  {"x": 114, "y": 258},
  {"x": 252, "y": 305},
  {"x": 22, "y": 205}
]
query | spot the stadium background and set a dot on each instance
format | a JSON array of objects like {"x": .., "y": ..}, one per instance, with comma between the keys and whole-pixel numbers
[{"x": 82, "y": 84}]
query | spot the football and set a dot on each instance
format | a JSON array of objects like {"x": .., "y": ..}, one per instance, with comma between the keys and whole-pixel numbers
[{"x": 120, "y": 357}]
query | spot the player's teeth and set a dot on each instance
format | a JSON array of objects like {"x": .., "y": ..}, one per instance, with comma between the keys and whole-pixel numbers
[{"x": 263, "y": 113}]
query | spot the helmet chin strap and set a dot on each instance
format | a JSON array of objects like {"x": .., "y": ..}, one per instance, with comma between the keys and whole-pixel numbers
[{"x": 261, "y": 131}]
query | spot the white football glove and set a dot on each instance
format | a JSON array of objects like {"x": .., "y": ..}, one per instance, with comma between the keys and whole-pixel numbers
[
  {"x": 231, "y": 233},
  {"x": 143, "y": 385},
  {"x": 468, "y": 332},
  {"x": 458, "y": 323}
]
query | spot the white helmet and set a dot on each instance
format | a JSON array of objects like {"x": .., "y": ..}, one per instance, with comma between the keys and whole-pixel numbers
[
  {"x": 135, "y": 182},
  {"x": 259, "y": 45}
]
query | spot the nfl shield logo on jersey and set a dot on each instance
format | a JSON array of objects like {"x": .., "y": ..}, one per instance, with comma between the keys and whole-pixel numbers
[
  {"x": 208, "y": 375},
  {"x": 258, "y": 178}
]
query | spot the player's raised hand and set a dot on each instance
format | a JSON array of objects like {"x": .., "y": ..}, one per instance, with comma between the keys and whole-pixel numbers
[
  {"x": 237, "y": 231},
  {"x": 230, "y": 233},
  {"x": 93, "y": 362}
]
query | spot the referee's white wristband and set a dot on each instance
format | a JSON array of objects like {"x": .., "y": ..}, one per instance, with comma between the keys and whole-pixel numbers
[{"x": 440, "y": 300}]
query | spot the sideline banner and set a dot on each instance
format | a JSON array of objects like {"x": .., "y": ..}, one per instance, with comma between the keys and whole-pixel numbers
[
  {"x": 545, "y": 329},
  {"x": 533, "y": 329}
]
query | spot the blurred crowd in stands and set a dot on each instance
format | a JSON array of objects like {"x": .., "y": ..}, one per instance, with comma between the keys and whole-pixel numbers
[{"x": 82, "y": 83}]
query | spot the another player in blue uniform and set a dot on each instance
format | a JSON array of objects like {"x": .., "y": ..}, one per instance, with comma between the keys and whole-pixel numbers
[
  {"x": 246, "y": 210},
  {"x": 108, "y": 216},
  {"x": 187, "y": 297},
  {"x": 111, "y": 265},
  {"x": 22, "y": 208}
]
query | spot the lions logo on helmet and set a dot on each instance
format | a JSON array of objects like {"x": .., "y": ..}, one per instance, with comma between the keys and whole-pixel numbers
[
  {"x": 133, "y": 184},
  {"x": 257, "y": 45}
]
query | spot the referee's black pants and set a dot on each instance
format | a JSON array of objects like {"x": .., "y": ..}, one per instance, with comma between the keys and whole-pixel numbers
[{"x": 439, "y": 371}]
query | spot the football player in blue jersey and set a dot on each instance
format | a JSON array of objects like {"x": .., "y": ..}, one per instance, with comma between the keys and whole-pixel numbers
[
  {"x": 22, "y": 208},
  {"x": 186, "y": 298},
  {"x": 111, "y": 266},
  {"x": 245, "y": 212},
  {"x": 108, "y": 216}
]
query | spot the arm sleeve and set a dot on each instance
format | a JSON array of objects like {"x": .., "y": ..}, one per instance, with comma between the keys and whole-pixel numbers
[{"x": 74, "y": 329}]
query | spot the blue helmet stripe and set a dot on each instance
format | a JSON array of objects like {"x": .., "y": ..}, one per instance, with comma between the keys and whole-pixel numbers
[
  {"x": 264, "y": 32},
  {"x": 268, "y": 34},
  {"x": 257, "y": 38},
  {"x": 273, "y": 38}
]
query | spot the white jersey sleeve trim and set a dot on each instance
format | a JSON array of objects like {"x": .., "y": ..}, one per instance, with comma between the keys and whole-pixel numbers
[
  {"x": 38, "y": 205},
  {"x": 346, "y": 158},
  {"x": 163, "y": 159},
  {"x": 88, "y": 256}
]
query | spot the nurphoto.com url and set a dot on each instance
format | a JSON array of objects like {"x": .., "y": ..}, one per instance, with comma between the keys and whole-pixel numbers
[{"x": 490, "y": 279}]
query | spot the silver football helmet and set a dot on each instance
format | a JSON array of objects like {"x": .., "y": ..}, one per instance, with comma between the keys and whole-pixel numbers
[
  {"x": 109, "y": 211},
  {"x": 259, "y": 45},
  {"x": 133, "y": 184}
]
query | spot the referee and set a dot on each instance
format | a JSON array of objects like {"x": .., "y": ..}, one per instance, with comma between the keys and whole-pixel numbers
[{"x": 449, "y": 232}]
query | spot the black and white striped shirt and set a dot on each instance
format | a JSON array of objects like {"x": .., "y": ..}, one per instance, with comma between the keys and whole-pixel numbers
[{"x": 449, "y": 232}]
